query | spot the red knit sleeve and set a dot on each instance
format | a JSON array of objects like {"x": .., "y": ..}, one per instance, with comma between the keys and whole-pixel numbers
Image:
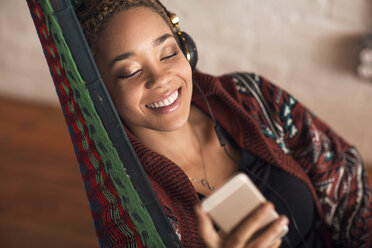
[{"x": 334, "y": 167}]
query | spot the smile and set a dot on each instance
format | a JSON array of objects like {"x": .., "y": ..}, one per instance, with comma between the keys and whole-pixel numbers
[{"x": 164, "y": 103}]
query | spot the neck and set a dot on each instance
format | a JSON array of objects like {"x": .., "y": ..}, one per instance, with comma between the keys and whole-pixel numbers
[{"x": 190, "y": 137}]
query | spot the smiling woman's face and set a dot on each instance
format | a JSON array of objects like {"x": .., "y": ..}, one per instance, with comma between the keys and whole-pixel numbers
[{"x": 146, "y": 74}]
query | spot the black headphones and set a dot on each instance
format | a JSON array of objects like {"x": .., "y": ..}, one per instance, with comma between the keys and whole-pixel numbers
[{"x": 186, "y": 43}]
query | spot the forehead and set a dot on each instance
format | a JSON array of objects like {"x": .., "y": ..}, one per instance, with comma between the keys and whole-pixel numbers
[{"x": 129, "y": 28}]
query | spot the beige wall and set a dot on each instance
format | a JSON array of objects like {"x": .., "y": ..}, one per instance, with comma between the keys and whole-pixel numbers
[
  {"x": 23, "y": 69},
  {"x": 307, "y": 47}
]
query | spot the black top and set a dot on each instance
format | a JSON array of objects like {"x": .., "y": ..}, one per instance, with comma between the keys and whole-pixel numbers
[{"x": 290, "y": 196}]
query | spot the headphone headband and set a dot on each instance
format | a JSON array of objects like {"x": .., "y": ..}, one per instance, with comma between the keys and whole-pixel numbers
[{"x": 187, "y": 44}]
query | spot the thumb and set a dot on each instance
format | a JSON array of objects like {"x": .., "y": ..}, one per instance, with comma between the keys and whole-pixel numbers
[{"x": 206, "y": 229}]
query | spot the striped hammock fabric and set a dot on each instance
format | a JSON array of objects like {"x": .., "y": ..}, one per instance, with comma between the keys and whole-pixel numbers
[{"x": 121, "y": 218}]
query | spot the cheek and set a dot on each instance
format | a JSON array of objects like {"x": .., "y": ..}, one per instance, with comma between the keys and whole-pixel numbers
[
  {"x": 126, "y": 100},
  {"x": 186, "y": 73},
  {"x": 184, "y": 69}
]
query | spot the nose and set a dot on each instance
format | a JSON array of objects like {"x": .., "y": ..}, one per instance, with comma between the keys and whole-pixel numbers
[{"x": 158, "y": 76}]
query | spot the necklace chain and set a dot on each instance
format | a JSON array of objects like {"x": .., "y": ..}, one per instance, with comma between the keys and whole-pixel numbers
[{"x": 204, "y": 181}]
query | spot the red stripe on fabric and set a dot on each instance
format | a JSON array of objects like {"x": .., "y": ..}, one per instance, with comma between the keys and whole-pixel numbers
[
  {"x": 54, "y": 49},
  {"x": 40, "y": 12},
  {"x": 95, "y": 195},
  {"x": 59, "y": 66},
  {"x": 48, "y": 50},
  {"x": 45, "y": 30},
  {"x": 54, "y": 69}
]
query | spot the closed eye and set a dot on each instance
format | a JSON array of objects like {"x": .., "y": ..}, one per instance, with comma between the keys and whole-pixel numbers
[
  {"x": 169, "y": 56},
  {"x": 129, "y": 75}
]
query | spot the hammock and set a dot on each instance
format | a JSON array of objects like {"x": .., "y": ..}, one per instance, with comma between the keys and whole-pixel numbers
[{"x": 125, "y": 210}]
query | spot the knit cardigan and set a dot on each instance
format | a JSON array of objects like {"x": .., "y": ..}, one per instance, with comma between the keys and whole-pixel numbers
[{"x": 270, "y": 123}]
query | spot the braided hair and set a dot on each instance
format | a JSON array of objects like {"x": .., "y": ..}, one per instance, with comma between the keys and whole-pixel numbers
[{"x": 94, "y": 14}]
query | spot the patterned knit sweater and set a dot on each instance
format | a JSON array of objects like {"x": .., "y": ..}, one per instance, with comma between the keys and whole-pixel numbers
[{"x": 273, "y": 125}]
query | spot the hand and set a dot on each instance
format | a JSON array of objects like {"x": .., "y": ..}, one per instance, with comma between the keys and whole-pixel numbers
[{"x": 242, "y": 234}]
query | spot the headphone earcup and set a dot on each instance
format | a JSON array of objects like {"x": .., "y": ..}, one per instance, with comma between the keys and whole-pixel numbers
[{"x": 187, "y": 44}]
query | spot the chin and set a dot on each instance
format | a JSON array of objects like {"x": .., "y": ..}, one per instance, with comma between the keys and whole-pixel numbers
[{"x": 173, "y": 125}]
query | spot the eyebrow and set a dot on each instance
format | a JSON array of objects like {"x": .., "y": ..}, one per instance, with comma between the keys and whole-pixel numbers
[
  {"x": 121, "y": 57},
  {"x": 161, "y": 39},
  {"x": 127, "y": 55}
]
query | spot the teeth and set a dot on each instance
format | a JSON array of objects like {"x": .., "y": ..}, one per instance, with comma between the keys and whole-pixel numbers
[{"x": 166, "y": 102}]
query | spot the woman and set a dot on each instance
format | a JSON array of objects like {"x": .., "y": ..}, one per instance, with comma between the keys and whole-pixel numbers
[{"x": 312, "y": 177}]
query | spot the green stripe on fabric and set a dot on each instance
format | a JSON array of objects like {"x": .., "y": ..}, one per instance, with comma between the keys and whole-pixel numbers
[
  {"x": 112, "y": 163},
  {"x": 51, "y": 51},
  {"x": 94, "y": 161}
]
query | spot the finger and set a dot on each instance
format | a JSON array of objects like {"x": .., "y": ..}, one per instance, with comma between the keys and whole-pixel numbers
[
  {"x": 206, "y": 229},
  {"x": 240, "y": 235},
  {"x": 271, "y": 236},
  {"x": 276, "y": 244}
]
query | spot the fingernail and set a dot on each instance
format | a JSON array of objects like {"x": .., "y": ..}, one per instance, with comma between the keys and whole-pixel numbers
[
  {"x": 284, "y": 231},
  {"x": 283, "y": 221},
  {"x": 268, "y": 207}
]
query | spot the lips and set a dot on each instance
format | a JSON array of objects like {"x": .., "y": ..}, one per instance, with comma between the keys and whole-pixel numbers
[{"x": 165, "y": 102}]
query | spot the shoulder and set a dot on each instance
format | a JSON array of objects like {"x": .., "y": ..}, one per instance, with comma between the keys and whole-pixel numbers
[
  {"x": 255, "y": 85},
  {"x": 246, "y": 83},
  {"x": 251, "y": 91}
]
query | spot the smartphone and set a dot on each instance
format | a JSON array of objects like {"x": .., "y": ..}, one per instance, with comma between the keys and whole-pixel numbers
[{"x": 233, "y": 202}]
